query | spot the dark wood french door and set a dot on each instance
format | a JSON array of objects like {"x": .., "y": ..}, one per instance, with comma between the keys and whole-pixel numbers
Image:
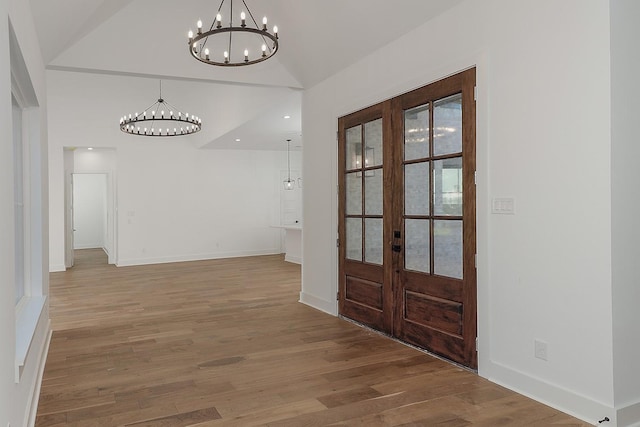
[{"x": 407, "y": 231}]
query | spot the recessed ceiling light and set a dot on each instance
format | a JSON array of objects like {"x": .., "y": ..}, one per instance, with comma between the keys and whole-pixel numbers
[
  {"x": 237, "y": 139},
  {"x": 90, "y": 148},
  {"x": 287, "y": 116}
]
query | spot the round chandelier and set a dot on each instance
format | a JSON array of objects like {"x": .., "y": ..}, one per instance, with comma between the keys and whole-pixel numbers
[
  {"x": 160, "y": 119},
  {"x": 233, "y": 45}
]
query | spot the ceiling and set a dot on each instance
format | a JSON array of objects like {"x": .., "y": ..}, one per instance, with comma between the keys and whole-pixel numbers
[{"x": 147, "y": 39}]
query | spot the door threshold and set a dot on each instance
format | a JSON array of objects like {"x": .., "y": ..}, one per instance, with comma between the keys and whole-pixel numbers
[{"x": 420, "y": 349}]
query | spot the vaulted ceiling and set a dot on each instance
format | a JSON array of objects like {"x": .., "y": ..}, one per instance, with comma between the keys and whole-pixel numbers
[{"x": 148, "y": 39}]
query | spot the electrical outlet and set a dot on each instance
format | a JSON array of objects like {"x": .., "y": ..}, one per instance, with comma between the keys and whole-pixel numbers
[{"x": 540, "y": 349}]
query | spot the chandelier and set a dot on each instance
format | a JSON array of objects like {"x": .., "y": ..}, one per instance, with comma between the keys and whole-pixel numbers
[
  {"x": 233, "y": 45},
  {"x": 160, "y": 119}
]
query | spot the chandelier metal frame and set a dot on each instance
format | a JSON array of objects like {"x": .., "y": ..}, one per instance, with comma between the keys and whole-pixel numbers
[
  {"x": 198, "y": 42},
  {"x": 166, "y": 115}
]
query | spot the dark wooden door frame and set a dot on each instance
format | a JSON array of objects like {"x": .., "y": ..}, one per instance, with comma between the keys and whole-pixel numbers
[{"x": 384, "y": 313}]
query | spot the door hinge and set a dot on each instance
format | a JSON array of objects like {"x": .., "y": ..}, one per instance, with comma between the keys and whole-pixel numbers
[
  {"x": 475, "y": 260},
  {"x": 337, "y": 243},
  {"x": 337, "y": 296},
  {"x": 337, "y": 135},
  {"x": 475, "y": 93},
  {"x": 476, "y": 343},
  {"x": 475, "y": 177}
]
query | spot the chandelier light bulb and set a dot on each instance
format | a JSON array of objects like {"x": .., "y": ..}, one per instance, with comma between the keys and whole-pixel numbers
[
  {"x": 219, "y": 20},
  {"x": 226, "y": 57},
  {"x": 190, "y": 34},
  {"x": 153, "y": 114},
  {"x": 243, "y": 17},
  {"x": 246, "y": 55},
  {"x": 275, "y": 30},
  {"x": 264, "y": 24},
  {"x": 206, "y": 53},
  {"x": 199, "y": 24},
  {"x": 171, "y": 114},
  {"x": 162, "y": 114}
]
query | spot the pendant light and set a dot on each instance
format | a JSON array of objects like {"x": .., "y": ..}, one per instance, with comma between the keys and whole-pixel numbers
[{"x": 289, "y": 184}]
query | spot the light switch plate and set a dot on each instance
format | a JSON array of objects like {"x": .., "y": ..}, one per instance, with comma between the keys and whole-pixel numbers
[{"x": 503, "y": 205}]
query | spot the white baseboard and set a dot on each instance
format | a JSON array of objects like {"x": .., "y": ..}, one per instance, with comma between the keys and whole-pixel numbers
[
  {"x": 552, "y": 395},
  {"x": 629, "y": 415},
  {"x": 57, "y": 268},
  {"x": 293, "y": 259},
  {"x": 94, "y": 246},
  {"x": 329, "y": 307},
  {"x": 194, "y": 257}
]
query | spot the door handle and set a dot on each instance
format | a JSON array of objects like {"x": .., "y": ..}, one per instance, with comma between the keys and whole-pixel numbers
[{"x": 396, "y": 248}]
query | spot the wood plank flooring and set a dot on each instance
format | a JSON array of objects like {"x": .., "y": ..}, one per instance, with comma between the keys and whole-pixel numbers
[{"x": 225, "y": 343}]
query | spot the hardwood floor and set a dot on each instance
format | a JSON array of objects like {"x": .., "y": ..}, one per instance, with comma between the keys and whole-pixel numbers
[{"x": 225, "y": 342}]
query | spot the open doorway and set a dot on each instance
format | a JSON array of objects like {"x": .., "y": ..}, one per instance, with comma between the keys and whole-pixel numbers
[
  {"x": 90, "y": 211},
  {"x": 90, "y": 203}
]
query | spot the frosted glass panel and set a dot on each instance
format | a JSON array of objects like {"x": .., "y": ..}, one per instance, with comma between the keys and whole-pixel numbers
[
  {"x": 416, "y": 132},
  {"x": 447, "y": 248},
  {"x": 373, "y": 192},
  {"x": 447, "y": 187},
  {"x": 354, "y": 238},
  {"x": 416, "y": 189},
  {"x": 373, "y": 143},
  {"x": 417, "y": 246},
  {"x": 354, "y": 147},
  {"x": 354, "y": 193},
  {"x": 447, "y": 125},
  {"x": 373, "y": 240}
]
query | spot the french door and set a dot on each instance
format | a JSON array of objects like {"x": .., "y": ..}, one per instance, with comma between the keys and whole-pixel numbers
[{"x": 407, "y": 232}]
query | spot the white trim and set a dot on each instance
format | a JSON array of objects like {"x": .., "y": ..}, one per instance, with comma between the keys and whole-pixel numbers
[
  {"x": 57, "y": 268},
  {"x": 196, "y": 257},
  {"x": 318, "y": 303},
  {"x": 552, "y": 395},
  {"x": 293, "y": 259},
  {"x": 629, "y": 415},
  {"x": 27, "y": 318},
  {"x": 30, "y": 417}
]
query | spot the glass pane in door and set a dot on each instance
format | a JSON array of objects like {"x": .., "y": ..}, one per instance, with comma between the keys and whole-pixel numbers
[
  {"x": 354, "y": 194},
  {"x": 416, "y": 189},
  {"x": 354, "y": 238},
  {"x": 447, "y": 248},
  {"x": 373, "y": 192},
  {"x": 373, "y": 240},
  {"x": 447, "y": 125},
  {"x": 447, "y": 187},
  {"x": 354, "y": 148},
  {"x": 417, "y": 246},
  {"x": 373, "y": 143},
  {"x": 416, "y": 133}
]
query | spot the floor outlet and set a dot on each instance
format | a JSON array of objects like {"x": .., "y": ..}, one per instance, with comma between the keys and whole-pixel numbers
[{"x": 540, "y": 349}]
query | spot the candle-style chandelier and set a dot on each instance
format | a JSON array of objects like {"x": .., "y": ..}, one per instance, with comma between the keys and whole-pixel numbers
[
  {"x": 160, "y": 119},
  {"x": 233, "y": 45}
]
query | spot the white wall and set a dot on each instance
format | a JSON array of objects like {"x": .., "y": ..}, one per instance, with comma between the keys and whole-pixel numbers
[
  {"x": 17, "y": 399},
  {"x": 543, "y": 139},
  {"x": 89, "y": 210},
  {"x": 625, "y": 206},
  {"x": 175, "y": 202}
]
